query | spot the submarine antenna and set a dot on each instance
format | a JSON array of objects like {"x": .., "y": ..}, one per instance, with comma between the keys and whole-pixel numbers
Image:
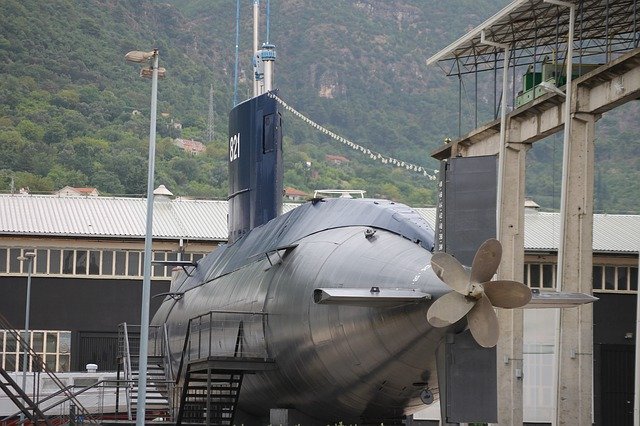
[
  {"x": 256, "y": 23},
  {"x": 235, "y": 71},
  {"x": 268, "y": 54}
]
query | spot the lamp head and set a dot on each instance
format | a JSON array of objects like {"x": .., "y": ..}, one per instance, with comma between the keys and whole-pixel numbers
[
  {"x": 140, "y": 57},
  {"x": 27, "y": 256},
  {"x": 148, "y": 72}
]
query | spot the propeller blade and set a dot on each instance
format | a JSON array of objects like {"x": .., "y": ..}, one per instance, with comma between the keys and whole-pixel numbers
[
  {"x": 449, "y": 270},
  {"x": 486, "y": 261},
  {"x": 483, "y": 323},
  {"x": 507, "y": 294},
  {"x": 448, "y": 309}
]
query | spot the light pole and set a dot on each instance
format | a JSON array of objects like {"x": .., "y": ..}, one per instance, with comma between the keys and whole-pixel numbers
[
  {"x": 154, "y": 72},
  {"x": 25, "y": 337}
]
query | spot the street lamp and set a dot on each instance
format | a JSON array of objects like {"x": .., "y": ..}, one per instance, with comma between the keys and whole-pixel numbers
[
  {"x": 153, "y": 72},
  {"x": 25, "y": 339}
]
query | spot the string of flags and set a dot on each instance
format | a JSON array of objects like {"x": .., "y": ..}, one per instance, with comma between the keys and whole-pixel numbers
[{"x": 374, "y": 155}]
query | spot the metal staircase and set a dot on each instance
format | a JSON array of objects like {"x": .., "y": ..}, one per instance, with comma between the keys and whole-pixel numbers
[
  {"x": 219, "y": 349},
  {"x": 209, "y": 396},
  {"x": 157, "y": 403},
  {"x": 160, "y": 384}
]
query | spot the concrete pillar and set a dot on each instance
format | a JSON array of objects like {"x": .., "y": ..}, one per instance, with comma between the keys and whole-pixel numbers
[
  {"x": 511, "y": 235},
  {"x": 575, "y": 358}
]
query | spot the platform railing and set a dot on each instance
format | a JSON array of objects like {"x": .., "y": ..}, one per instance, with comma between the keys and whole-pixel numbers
[{"x": 221, "y": 333}]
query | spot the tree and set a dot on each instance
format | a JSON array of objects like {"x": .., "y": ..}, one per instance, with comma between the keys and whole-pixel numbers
[{"x": 59, "y": 177}]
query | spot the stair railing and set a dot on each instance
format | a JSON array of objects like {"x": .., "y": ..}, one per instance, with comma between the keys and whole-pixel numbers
[
  {"x": 40, "y": 401},
  {"x": 169, "y": 377},
  {"x": 31, "y": 410},
  {"x": 75, "y": 392},
  {"x": 4, "y": 323},
  {"x": 167, "y": 353},
  {"x": 128, "y": 374}
]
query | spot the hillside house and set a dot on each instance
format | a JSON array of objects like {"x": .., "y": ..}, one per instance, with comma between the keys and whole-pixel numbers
[
  {"x": 336, "y": 159},
  {"x": 293, "y": 194},
  {"x": 70, "y": 191},
  {"x": 190, "y": 146}
]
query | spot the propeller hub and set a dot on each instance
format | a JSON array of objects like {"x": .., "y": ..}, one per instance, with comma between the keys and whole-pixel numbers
[{"x": 476, "y": 290}]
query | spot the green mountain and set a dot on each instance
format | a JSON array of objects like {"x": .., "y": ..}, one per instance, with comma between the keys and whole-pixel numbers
[{"x": 72, "y": 112}]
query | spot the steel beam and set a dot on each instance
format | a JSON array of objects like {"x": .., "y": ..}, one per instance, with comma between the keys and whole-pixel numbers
[{"x": 600, "y": 90}]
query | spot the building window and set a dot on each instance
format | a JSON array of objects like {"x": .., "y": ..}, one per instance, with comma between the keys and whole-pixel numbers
[
  {"x": 609, "y": 277},
  {"x": 94, "y": 262},
  {"x": 126, "y": 264},
  {"x": 68, "y": 258},
  {"x": 14, "y": 263},
  {"x": 42, "y": 260},
  {"x": 537, "y": 275},
  {"x": 55, "y": 259},
  {"x": 107, "y": 263},
  {"x": 81, "y": 262},
  {"x": 53, "y": 347},
  {"x": 614, "y": 278},
  {"x": 159, "y": 270},
  {"x": 134, "y": 264},
  {"x": 548, "y": 276},
  {"x": 121, "y": 263}
]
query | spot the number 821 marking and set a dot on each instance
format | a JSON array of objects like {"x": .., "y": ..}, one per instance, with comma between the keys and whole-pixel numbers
[{"x": 234, "y": 147}]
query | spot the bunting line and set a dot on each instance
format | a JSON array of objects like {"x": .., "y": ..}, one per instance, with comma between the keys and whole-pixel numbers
[{"x": 374, "y": 155}]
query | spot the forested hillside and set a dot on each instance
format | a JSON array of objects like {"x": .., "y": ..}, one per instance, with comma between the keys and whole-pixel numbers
[{"x": 72, "y": 112}]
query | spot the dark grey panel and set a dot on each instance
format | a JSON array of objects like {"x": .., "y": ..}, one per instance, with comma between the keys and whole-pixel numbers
[
  {"x": 469, "y": 192},
  {"x": 96, "y": 348},
  {"x": 76, "y": 304},
  {"x": 614, "y": 381},
  {"x": 471, "y": 392},
  {"x": 90, "y": 309},
  {"x": 614, "y": 315}
]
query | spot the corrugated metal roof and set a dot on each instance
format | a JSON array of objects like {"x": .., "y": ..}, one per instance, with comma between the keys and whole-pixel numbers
[
  {"x": 534, "y": 28},
  {"x": 206, "y": 220},
  {"x": 611, "y": 232},
  {"x": 111, "y": 217}
]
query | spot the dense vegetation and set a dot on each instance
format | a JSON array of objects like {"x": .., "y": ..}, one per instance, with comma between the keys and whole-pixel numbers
[{"x": 69, "y": 103}]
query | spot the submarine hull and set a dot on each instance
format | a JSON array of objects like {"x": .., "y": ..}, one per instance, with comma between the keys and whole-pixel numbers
[{"x": 335, "y": 362}]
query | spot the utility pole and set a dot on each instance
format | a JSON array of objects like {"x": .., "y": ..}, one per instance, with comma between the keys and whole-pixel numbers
[{"x": 210, "y": 133}]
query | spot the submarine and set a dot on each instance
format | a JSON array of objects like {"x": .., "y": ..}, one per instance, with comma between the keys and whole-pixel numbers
[{"x": 335, "y": 310}]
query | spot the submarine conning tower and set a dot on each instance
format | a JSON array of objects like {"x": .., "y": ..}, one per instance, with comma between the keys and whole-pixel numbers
[{"x": 255, "y": 164}]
